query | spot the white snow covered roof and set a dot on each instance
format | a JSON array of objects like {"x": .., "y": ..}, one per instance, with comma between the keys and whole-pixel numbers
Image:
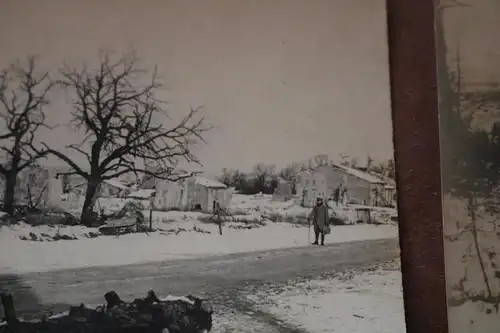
[
  {"x": 142, "y": 194},
  {"x": 116, "y": 183},
  {"x": 209, "y": 183},
  {"x": 360, "y": 174}
]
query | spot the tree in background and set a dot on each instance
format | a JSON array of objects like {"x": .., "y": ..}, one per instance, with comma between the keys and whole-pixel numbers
[
  {"x": 317, "y": 161},
  {"x": 233, "y": 178},
  {"x": 23, "y": 97},
  {"x": 290, "y": 174},
  {"x": 369, "y": 162},
  {"x": 228, "y": 177},
  {"x": 386, "y": 169},
  {"x": 349, "y": 162},
  {"x": 264, "y": 178},
  {"x": 471, "y": 168},
  {"x": 127, "y": 128}
]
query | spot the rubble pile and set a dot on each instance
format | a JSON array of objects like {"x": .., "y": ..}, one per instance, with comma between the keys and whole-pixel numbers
[
  {"x": 147, "y": 315},
  {"x": 38, "y": 216}
]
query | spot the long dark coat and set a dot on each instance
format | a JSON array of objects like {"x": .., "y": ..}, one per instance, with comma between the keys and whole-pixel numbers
[{"x": 319, "y": 217}]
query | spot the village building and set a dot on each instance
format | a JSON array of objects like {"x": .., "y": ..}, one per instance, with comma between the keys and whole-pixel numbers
[
  {"x": 73, "y": 183},
  {"x": 390, "y": 194},
  {"x": 38, "y": 187},
  {"x": 109, "y": 188},
  {"x": 343, "y": 184},
  {"x": 143, "y": 194},
  {"x": 148, "y": 182},
  {"x": 114, "y": 188},
  {"x": 192, "y": 193}
]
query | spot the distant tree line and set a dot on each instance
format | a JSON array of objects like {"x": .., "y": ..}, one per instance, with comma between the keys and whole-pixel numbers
[{"x": 264, "y": 178}]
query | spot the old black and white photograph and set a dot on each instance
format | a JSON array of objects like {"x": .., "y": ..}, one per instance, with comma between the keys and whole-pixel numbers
[
  {"x": 468, "y": 60},
  {"x": 198, "y": 166}
]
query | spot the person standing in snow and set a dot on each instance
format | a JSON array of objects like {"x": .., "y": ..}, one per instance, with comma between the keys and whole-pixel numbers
[{"x": 319, "y": 216}]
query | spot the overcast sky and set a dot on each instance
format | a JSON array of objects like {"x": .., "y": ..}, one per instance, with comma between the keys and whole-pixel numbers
[{"x": 281, "y": 79}]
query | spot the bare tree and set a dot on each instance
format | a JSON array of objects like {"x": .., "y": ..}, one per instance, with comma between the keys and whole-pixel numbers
[
  {"x": 127, "y": 128},
  {"x": 369, "y": 162},
  {"x": 263, "y": 175},
  {"x": 235, "y": 178},
  {"x": 303, "y": 167},
  {"x": 471, "y": 174},
  {"x": 290, "y": 174},
  {"x": 227, "y": 177},
  {"x": 320, "y": 160},
  {"x": 316, "y": 162},
  {"x": 386, "y": 169},
  {"x": 23, "y": 95},
  {"x": 353, "y": 162}
]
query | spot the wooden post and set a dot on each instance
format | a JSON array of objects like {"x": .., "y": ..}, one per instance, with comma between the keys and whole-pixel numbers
[
  {"x": 151, "y": 219},
  {"x": 8, "y": 307},
  {"x": 151, "y": 199},
  {"x": 217, "y": 211}
]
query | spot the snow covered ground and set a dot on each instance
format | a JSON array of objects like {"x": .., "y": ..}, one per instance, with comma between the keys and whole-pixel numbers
[
  {"x": 256, "y": 224},
  {"x": 463, "y": 269},
  {"x": 348, "y": 302},
  {"x": 262, "y": 205},
  {"x": 187, "y": 242},
  {"x": 368, "y": 299},
  {"x": 252, "y": 207},
  {"x": 473, "y": 318},
  {"x": 352, "y": 301}
]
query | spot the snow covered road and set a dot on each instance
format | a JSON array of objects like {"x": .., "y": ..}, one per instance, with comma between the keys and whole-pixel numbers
[{"x": 221, "y": 278}]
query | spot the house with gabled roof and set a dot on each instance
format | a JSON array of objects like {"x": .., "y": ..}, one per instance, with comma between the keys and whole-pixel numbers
[
  {"x": 192, "y": 193},
  {"x": 343, "y": 184}
]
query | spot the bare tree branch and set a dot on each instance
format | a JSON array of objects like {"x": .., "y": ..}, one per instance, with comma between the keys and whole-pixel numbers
[
  {"x": 127, "y": 128},
  {"x": 23, "y": 95}
]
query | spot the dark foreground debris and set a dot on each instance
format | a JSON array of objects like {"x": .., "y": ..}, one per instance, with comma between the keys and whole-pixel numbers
[{"x": 176, "y": 315}]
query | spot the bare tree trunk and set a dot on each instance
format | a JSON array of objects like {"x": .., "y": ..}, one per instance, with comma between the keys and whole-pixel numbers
[
  {"x": 472, "y": 201},
  {"x": 88, "y": 205},
  {"x": 10, "y": 181},
  {"x": 9, "y": 191}
]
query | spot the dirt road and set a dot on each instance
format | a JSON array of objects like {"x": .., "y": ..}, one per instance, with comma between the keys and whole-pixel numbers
[{"x": 220, "y": 278}]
